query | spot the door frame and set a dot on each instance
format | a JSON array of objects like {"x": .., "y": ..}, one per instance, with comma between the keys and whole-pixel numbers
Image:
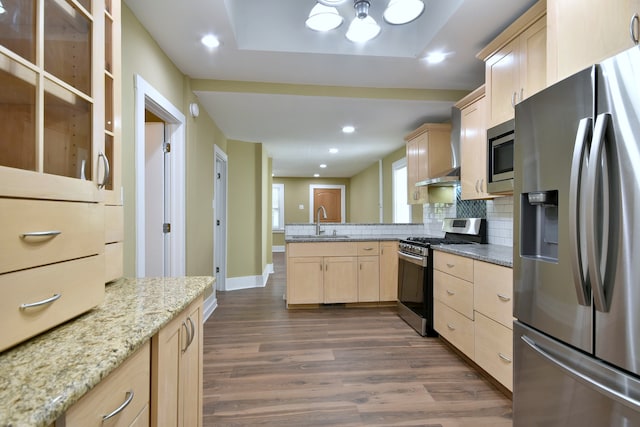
[
  {"x": 148, "y": 98},
  {"x": 343, "y": 208},
  {"x": 220, "y": 232}
]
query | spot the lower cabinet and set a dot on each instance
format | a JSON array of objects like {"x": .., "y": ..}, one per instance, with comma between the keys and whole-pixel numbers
[
  {"x": 389, "y": 271},
  {"x": 121, "y": 399},
  {"x": 176, "y": 370},
  {"x": 341, "y": 272},
  {"x": 472, "y": 310}
]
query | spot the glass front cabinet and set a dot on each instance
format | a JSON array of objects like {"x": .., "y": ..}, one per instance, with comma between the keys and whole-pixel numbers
[{"x": 60, "y": 180}]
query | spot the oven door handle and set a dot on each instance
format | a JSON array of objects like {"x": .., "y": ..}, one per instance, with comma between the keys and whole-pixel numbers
[{"x": 413, "y": 259}]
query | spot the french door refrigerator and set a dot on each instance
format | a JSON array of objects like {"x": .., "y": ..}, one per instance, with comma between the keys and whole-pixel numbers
[{"x": 577, "y": 250}]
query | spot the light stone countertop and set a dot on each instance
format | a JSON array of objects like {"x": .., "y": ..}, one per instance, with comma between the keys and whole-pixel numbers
[
  {"x": 41, "y": 378},
  {"x": 495, "y": 254}
]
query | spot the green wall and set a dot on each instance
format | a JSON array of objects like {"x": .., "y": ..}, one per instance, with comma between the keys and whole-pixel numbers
[
  {"x": 365, "y": 196},
  {"x": 296, "y": 192},
  {"x": 142, "y": 56}
]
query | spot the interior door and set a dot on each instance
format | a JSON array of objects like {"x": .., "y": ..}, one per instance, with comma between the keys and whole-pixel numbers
[{"x": 330, "y": 198}]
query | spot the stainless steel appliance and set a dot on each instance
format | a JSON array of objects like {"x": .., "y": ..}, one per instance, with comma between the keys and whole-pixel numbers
[
  {"x": 576, "y": 262},
  {"x": 415, "y": 270},
  {"x": 500, "y": 157}
]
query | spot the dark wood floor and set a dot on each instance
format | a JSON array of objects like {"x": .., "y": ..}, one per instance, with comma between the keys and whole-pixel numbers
[{"x": 265, "y": 365}]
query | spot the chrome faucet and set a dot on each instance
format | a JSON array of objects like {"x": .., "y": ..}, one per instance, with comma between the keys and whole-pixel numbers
[{"x": 324, "y": 216}]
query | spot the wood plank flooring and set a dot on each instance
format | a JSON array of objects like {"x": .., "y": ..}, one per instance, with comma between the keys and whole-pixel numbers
[{"x": 265, "y": 365}]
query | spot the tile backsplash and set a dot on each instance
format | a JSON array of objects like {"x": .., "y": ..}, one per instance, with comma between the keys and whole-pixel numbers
[{"x": 498, "y": 212}]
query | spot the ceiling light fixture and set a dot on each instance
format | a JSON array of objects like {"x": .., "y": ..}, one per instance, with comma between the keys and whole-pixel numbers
[
  {"x": 210, "y": 41},
  {"x": 400, "y": 12},
  {"x": 2, "y": 9},
  {"x": 348, "y": 129},
  {"x": 322, "y": 166},
  {"x": 435, "y": 57},
  {"x": 324, "y": 17},
  {"x": 333, "y": 150},
  {"x": 315, "y": 175}
]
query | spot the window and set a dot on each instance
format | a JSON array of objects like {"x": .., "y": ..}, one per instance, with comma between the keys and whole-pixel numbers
[
  {"x": 401, "y": 208},
  {"x": 277, "y": 207}
]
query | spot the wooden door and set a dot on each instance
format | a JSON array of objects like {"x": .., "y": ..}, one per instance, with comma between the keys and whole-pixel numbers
[
  {"x": 368, "y": 278},
  {"x": 502, "y": 80},
  {"x": 305, "y": 280},
  {"x": 473, "y": 151},
  {"x": 533, "y": 59},
  {"x": 388, "y": 271},
  {"x": 331, "y": 199},
  {"x": 340, "y": 279}
]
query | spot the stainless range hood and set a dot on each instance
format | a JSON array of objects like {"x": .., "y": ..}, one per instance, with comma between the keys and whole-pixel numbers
[{"x": 452, "y": 176}]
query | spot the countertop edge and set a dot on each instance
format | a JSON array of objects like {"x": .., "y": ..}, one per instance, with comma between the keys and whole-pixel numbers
[
  {"x": 494, "y": 254},
  {"x": 37, "y": 390}
]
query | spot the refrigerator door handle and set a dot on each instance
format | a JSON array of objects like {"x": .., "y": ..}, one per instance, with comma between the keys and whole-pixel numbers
[
  {"x": 616, "y": 395},
  {"x": 593, "y": 176},
  {"x": 579, "y": 152}
]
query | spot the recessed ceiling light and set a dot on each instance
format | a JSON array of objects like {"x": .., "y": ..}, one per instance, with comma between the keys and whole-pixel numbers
[
  {"x": 210, "y": 41},
  {"x": 333, "y": 150},
  {"x": 348, "y": 129},
  {"x": 435, "y": 57},
  {"x": 322, "y": 166},
  {"x": 315, "y": 175}
]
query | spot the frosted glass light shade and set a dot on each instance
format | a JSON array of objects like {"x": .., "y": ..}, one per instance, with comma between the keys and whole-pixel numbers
[
  {"x": 362, "y": 30},
  {"x": 331, "y": 2},
  {"x": 403, "y": 11},
  {"x": 323, "y": 18}
]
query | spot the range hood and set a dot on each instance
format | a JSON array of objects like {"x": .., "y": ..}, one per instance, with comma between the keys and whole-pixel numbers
[{"x": 452, "y": 176}]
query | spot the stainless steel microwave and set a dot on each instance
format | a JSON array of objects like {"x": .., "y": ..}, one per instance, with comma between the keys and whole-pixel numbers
[{"x": 500, "y": 140}]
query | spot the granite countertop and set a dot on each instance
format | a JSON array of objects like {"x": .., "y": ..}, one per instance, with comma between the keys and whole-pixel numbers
[
  {"x": 343, "y": 238},
  {"x": 41, "y": 378},
  {"x": 495, "y": 254}
]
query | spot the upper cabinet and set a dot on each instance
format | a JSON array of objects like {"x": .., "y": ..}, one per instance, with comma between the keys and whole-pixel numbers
[
  {"x": 55, "y": 92},
  {"x": 473, "y": 145},
  {"x": 582, "y": 33},
  {"x": 515, "y": 64},
  {"x": 428, "y": 156}
]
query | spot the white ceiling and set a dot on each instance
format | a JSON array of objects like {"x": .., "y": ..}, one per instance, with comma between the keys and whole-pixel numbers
[{"x": 317, "y": 79}]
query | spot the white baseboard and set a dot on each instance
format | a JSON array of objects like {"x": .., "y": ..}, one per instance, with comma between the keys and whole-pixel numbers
[
  {"x": 210, "y": 305},
  {"x": 277, "y": 249},
  {"x": 248, "y": 282}
]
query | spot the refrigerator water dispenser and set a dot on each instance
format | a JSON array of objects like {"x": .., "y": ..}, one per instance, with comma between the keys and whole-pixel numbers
[{"x": 539, "y": 225}]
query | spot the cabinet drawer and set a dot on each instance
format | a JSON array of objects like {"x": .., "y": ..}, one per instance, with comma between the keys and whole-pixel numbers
[
  {"x": 80, "y": 284},
  {"x": 493, "y": 293},
  {"x": 322, "y": 249},
  {"x": 494, "y": 349},
  {"x": 113, "y": 261},
  {"x": 113, "y": 224},
  {"x": 80, "y": 227},
  {"x": 454, "y": 292},
  {"x": 368, "y": 248},
  {"x": 456, "y": 328},
  {"x": 132, "y": 378},
  {"x": 455, "y": 265}
]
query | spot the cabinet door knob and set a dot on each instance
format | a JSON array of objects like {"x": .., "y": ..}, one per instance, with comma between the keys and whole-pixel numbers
[{"x": 634, "y": 28}]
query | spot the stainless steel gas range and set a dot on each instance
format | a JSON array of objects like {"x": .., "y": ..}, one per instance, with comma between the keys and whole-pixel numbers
[{"x": 415, "y": 270}]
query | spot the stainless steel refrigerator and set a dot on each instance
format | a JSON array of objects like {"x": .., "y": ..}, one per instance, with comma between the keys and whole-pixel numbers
[{"x": 577, "y": 250}]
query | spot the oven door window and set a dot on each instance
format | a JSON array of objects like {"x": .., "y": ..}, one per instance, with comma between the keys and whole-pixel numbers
[{"x": 411, "y": 286}]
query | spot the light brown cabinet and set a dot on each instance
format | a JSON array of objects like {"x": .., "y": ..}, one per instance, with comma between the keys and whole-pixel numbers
[
  {"x": 472, "y": 310},
  {"x": 60, "y": 154},
  {"x": 368, "y": 272},
  {"x": 121, "y": 399},
  {"x": 428, "y": 155},
  {"x": 176, "y": 370},
  {"x": 582, "y": 33},
  {"x": 341, "y": 272},
  {"x": 389, "y": 271},
  {"x": 515, "y": 64},
  {"x": 473, "y": 145}
]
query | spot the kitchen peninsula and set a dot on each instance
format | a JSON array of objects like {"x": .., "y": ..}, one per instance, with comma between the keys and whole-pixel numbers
[{"x": 41, "y": 379}]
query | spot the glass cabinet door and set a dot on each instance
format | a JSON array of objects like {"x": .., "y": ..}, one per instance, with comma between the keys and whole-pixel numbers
[{"x": 57, "y": 111}]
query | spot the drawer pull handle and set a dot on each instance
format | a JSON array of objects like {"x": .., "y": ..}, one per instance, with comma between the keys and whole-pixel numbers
[
  {"x": 128, "y": 398},
  {"x": 368, "y": 249},
  {"x": 55, "y": 297},
  {"x": 450, "y": 265},
  {"x": 503, "y": 297},
  {"x": 450, "y": 292},
  {"x": 450, "y": 326},
  {"x": 505, "y": 358},
  {"x": 48, "y": 233}
]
